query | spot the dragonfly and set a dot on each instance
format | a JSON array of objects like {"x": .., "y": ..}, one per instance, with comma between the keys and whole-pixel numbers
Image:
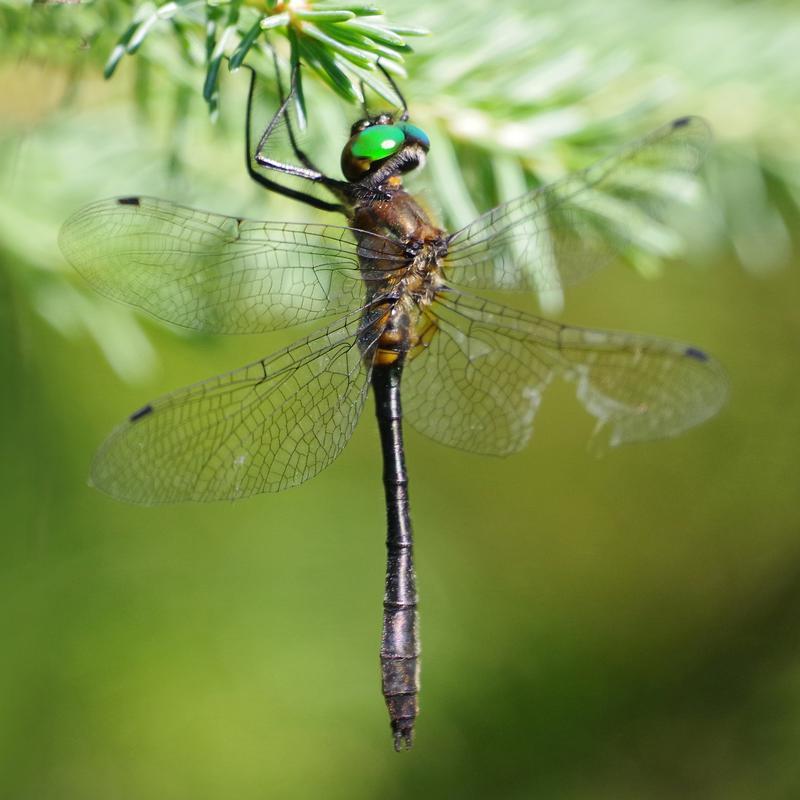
[{"x": 405, "y": 298}]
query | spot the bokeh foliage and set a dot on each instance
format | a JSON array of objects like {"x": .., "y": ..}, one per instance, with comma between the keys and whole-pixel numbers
[{"x": 615, "y": 629}]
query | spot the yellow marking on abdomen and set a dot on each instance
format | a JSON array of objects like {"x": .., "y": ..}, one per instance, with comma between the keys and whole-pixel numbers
[{"x": 385, "y": 357}]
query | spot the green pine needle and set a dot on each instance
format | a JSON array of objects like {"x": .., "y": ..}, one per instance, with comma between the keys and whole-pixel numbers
[{"x": 331, "y": 37}]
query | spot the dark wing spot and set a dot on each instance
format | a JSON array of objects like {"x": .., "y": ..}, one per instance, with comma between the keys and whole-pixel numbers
[
  {"x": 128, "y": 201},
  {"x": 693, "y": 352},
  {"x": 681, "y": 122},
  {"x": 142, "y": 412}
]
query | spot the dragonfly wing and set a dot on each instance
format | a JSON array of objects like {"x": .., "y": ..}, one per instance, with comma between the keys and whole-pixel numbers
[
  {"x": 216, "y": 273},
  {"x": 558, "y": 234},
  {"x": 476, "y": 385},
  {"x": 262, "y": 428},
  {"x": 501, "y": 360}
]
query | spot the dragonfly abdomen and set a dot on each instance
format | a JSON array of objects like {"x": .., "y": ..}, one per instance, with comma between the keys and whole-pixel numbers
[
  {"x": 394, "y": 341},
  {"x": 400, "y": 649}
]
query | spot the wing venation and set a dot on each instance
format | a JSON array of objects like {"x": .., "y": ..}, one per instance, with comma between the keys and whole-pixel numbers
[
  {"x": 262, "y": 428},
  {"x": 216, "y": 273},
  {"x": 558, "y": 234}
]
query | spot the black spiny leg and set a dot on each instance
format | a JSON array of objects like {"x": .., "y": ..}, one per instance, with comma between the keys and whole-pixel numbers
[
  {"x": 393, "y": 84},
  {"x": 301, "y": 156},
  {"x": 307, "y": 173}
]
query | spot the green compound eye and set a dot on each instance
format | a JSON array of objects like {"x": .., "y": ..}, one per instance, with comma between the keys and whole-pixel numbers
[
  {"x": 415, "y": 133},
  {"x": 378, "y": 142}
]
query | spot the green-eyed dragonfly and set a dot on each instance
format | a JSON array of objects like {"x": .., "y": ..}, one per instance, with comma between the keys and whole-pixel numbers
[{"x": 400, "y": 288}]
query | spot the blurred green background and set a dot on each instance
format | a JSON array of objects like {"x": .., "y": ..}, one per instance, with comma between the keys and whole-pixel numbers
[{"x": 616, "y": 628}]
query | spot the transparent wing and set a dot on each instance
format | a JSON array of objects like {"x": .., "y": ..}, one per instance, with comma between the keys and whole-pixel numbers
[
  {"x": 479, "y": 382},
  {"x": 476, "y": 385},
  {"x": 558, "y": 234},
  {"x": 216, "y": 273},
  {"x": 261, "y": 428}
]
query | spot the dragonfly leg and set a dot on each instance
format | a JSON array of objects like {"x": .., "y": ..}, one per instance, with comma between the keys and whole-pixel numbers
[
  {"x": 287, "y": 169},
  {"x": 393, "y": 84},
  {"x": 301, "y": 156}
]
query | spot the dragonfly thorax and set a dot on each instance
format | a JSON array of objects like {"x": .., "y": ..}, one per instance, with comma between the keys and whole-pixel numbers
[{"x": 404, "y": 323}]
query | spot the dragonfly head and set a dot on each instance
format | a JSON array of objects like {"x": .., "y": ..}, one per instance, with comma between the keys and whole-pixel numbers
[{"x": 379, "y": 148}]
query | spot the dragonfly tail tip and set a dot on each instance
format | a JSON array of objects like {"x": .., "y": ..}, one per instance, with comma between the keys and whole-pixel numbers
[{"x": 403, "y": 732}]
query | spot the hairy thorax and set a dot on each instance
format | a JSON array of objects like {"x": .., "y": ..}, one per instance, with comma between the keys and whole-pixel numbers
[{"x": 407, "y": 269}]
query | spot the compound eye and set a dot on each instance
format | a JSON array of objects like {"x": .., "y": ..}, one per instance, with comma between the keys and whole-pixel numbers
[
  {"x": 377, "y": 142},
  {"x": 415, "y": 134}
]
